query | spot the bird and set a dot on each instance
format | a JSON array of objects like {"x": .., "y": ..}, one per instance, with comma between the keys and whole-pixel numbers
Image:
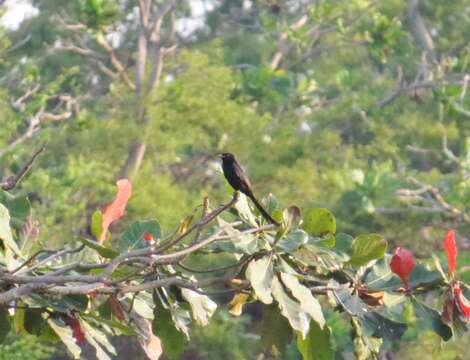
[{"x": 239, "y": 181}]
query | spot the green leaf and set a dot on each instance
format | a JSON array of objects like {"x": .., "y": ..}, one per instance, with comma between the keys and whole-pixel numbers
[
  {"x": 317, "y": 344},
  {"x": 382, "y": 278},
  {"x": 373, "y": 323},
  {"x": 377, "y": 325},
  {"x": 274, "y": 329},
  {"x": 97, "y": 224},
  {"x": 270, "y": 203},
  {"x": 244, "y": 244},
  {"x": 98, "y": 340},
  {"x": 181, "y": 317},
  {"x": 260, "y": 274},
  {"x": 307, "y": 302},
  {"x": 291, "y": 309},
  {"x": 319, "y": 222},
  {"x": 429, "y": 318},
  {"x": 173, "y": 341},
  {"x": 291, "y": 217},
  {"x": 19, "y": 208},
  {"x": 102, "y": 250},
  {"x": 423, "y": 275},
  {"x": 48, "y": 335},
  {"x": 65, "y": 334},
  {"x": 124, "y": 329},
  {"x": 4, "y": 324},
  {"x": 244, "y": 210},
  {"x": 18, "y": 321},
  {"x": 329, "y": 240},
  {"x": 66, "y": 303},
  {"x": 293, "y": 240},
  {"x": 365, "y": 347},
  {"x": 134, "y": 233},
  {"x": 5, "y": 230},
  {"x": 143, "y": 306},
  {"x": 202, "y": 306},
  {"x": 343, "y": 243},
  {"x": 34, "y": 323},
  {"x": 366, "y": 248}
]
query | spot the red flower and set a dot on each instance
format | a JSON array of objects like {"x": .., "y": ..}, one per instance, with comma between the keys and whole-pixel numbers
[
  {"x": 462, "y": 303},
  {"x": 148, "y": 237},
  {"x": 402, "y": 264},
  {"x": 450, "y": 247}
]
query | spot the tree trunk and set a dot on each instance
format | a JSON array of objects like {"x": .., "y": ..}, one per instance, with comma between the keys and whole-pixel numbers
[
  {"x": 134, "y": 159},
  {"x": 419, "y": 30}
]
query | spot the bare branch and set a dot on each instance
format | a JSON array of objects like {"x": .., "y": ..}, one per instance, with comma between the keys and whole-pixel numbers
[
  {"x": 30, "y": 92},
  {"x": 204, "y": 221},
  {"x": 419, "y": 30},
  {"x": 404, "y": 88},
  {"x": 70, "y": 26},
  {"x": 447, "y": 152},
  {"x": 30, "y": 131},
  {"x": 430, "y": 194},
  {"x": 156, "y": 23},
  {"x": 84, "y": 51},
  {"x": 19, "y": 44},
  {"x": 31, "y": 259},
  {"x": 177, "y": 255},
  {"x": 205, "y": 211},
  {"x": 314, "y": 32},
  {"x": 54, "y": 256},
  {"x": 115, "y": 61},
  {"x": 13, "y": 181},
  {"x": 16, "y": 293}
]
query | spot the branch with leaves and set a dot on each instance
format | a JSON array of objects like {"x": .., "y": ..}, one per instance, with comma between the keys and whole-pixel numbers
[{"x": 72, "y": 288}]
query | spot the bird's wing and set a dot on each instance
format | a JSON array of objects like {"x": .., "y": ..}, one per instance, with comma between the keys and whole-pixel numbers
[{"x": 243, "y": 177}]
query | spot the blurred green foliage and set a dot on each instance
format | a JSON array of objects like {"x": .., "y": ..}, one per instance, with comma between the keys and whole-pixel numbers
[
  {"x": 312, "y": 130},
  {"x": 24, "y": 347}
]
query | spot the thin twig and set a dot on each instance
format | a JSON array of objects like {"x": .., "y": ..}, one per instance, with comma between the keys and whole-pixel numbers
[
  {"x": 30, "y": 260},
  {"x": 10, "y": 182},
  {"x": 204, "y": 221},
  {"x": 54, "y": 256}
]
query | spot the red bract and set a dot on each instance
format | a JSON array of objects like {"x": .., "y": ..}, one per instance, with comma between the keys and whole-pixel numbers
[
  {"x": 115, "y": 210},
  {"x": 450, "y": 247},
  {"x": 77, "y": 331},
  {"x": 148, "y": 237},
  {"x": 462, "y": 303},
  {"x": 402, "y": 264}
]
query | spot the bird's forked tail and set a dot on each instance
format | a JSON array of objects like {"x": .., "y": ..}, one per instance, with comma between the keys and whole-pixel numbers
[{"x": 262, "y": 210}]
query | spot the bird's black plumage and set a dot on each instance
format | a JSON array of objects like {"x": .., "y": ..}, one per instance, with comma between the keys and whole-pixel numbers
[{"x": 237, "y": 178}]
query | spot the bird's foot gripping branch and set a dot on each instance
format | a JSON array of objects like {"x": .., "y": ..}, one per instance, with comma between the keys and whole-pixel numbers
[{"x": 140, "y": 282}]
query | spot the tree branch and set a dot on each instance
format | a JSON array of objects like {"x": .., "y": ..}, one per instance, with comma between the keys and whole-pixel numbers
[{"x": 12, "y": 181}]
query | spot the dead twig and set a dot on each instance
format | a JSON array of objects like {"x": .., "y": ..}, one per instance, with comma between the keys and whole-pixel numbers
[{"x": 12, "y": 181}]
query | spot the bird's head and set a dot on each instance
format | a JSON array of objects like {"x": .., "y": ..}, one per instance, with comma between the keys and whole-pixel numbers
[{"x": 226, "y": 156}]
